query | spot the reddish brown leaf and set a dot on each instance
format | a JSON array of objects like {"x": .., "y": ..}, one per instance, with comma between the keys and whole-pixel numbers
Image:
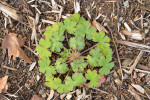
[
  {"x": 101, "y": 80},
  {"x": 3, "y": 82},
  {"x": 13, "y": 44},
  {"x": 36, "y": 97}
]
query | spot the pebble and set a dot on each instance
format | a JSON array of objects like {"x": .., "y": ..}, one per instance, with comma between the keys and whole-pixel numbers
[
  {"x": 44, "y": 95},
  {"x": 126, "y": 62},
  {"x": 146, "y": 31},
  {"x": 37, "y": 77},
  {"x": 41, "y": 92}
]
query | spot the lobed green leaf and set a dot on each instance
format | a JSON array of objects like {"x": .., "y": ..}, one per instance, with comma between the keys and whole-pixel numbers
[{"x": 93, "y": 77}]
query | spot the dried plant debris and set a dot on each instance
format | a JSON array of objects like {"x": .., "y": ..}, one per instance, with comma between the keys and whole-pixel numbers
[
  {"x": 7, "y": 9},
  {"x": 36, "y": 97},
  {"x": 13, "y": 44},
  {"x": 3, "y": 83},
  {"x": 126, "y": 21},
  {"x": 135, "y": 34}
]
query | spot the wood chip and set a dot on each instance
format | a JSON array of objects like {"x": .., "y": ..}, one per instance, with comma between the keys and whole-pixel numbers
[
  {"x": 135, "y": 95},
  {"x": 11, "y": 12},
  {"x": 135, "y": 34},
  {"x": 51, "y": 95},
  {"x": 135, "y": 45},
  {"x": 138, "y": 87},
  {"x": 99, "y": 27}
]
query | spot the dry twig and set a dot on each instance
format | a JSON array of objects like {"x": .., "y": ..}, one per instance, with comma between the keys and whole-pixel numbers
[
  {"x": 135, "y": 62},
  {"x": 135, "y": 45}
]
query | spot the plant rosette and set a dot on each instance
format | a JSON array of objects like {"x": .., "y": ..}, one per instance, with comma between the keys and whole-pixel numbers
[{"x": 73, "y": 53}]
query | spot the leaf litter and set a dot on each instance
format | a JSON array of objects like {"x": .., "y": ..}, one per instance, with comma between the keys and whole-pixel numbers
[
  {"x": 13, "y": 44},
  {"x": 3, "y": 83},
  {"x": 113, "y": 10}
]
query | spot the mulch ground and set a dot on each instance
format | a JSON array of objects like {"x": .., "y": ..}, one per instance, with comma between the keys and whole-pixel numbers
[{"x": 113, "y": 14}]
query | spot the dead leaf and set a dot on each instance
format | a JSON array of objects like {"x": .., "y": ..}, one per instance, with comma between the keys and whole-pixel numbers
[
  {"x": 101, "y": 80},
  {"x": 99, "y": 26},
  {"x": 13, "y": 44},
  {"x": 138, "y": 87},
  {"x": 3, "y": 82},
  {"x": 36, "y": 97}
]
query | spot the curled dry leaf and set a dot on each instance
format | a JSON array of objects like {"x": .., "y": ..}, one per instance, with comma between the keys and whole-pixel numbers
[
  {"x": 3, "y": 82},
  {"x": 13, "y": 44},
  {"x": 135, "y": 34},
  {"x": 99, "y": 26}
]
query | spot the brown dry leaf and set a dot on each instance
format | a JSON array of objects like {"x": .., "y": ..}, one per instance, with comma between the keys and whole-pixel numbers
[
  {"x": 13, "y": 44},
  {"x": 99, "y": 26},
  {"x": 3, "y": 82},
  {"x": 36, "y": 97}
]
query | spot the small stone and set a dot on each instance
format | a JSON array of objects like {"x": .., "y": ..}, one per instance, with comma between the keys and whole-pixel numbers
[
  {"x": 41, "y": 92},
  {"x": 146, "y": 31},
  {"x": 126, "y": 76},
  {"x": 37, "y": 77},
  {"x": 105, "y": 24},
  {"x": 115, "y": 74},
  {"x": 69, "y": 96},
  {"x": 108, "y": 79},
  {"x": 120, "y": 19},
  {"x": 44, "y": 95},
  {"x": 126, "y": 62},
  {"x": 126, "y": 4},
  {"x": 24, "y": 71},
  {"x": 145, "y": 24},
  {"x": 78, "y": 92}
]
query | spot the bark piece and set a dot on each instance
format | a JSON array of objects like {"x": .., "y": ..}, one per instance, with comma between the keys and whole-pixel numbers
[{"x": 11, "y": 12}]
